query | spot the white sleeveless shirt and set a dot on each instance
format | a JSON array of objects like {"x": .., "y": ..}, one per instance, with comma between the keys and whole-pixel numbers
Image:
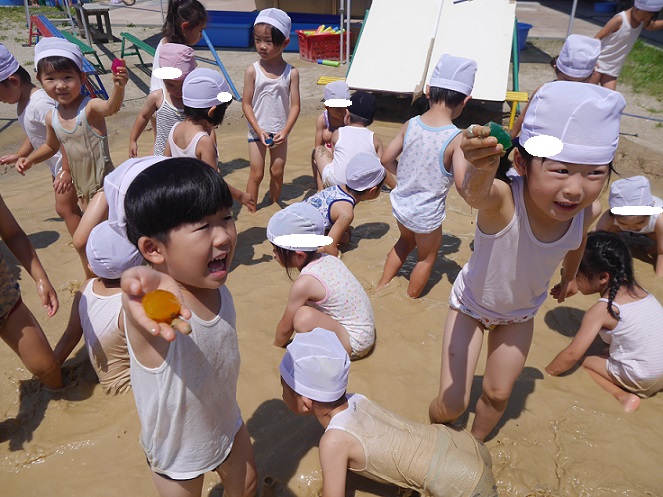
[
  {"x": 616, "y": 46},
  {"x": 271, "y": 99},
  {"x": 190, "y": 150},
  {"x": 508, "y": 273},
  {"x": 187, "y": 406},
  {"x": 33, "y": 122},
  {"x": 352, "y": 140}
]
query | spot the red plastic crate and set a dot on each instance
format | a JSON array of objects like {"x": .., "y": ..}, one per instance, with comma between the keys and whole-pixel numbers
[{"x": 322, "y": 46}]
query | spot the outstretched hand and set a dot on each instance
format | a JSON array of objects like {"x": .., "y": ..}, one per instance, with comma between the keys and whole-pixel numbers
[
  {"x": 480, "y": 149},
  {"x": 140, "y": 280},
  {"x": 564, "y": 289},
  {"x": 49, "y": 298}
]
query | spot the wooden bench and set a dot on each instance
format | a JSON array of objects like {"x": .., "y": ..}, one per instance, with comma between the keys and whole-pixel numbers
[
  {"x": 41, "y": 26},
  {"x": 138, "y": 45},
  {"x": 103, "y": 30}
]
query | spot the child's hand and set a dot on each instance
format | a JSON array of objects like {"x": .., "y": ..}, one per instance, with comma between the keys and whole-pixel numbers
[
  {"x": 564, "y": 289},
  {"x": 247, "y": 200},
  {"x": 279, "y": 138},
  {"x": 138, "y": 281},
  {"x": 267, "y": 139},
  {"x": 62, "y": 182},
  {"x": 22, "y": 165},
  {"x": 9, "y": 159},
  {"x": 480, "y": 149},
  {"x": 121, "y": 77},
  {"x": 133, "y": 149},
  {"x": 49, "y": 298}
]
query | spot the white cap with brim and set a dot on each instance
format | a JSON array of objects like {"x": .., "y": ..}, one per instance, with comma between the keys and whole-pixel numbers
[
  {"x": 364, "y": 172},
  {"x": 584, "y": 117},
  {"x": 109, "y": 253},
  {"x": 116, "y": 185},
  {"x": 578, "y": 56},
  {"x": 316, "y": 365},
  {"x": 649, "y": 5},
  {"x": 630, "y": 192},
  {"x": 58, "y": 47},
  {"x": 8, "y": 63},
  {"x": 299, "y": 226},
  {"x": 336, "y": 90},
  {"x": 277, "y": 18},
  {"x": 454, "y": 73},
  {"x": 204, "y": 88}
]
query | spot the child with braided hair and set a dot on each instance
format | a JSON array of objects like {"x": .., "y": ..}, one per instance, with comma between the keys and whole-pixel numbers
[{"x": 626, "y": 317}]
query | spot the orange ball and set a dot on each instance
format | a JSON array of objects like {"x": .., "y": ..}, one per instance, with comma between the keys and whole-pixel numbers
[{"x": 161, "y": 305}]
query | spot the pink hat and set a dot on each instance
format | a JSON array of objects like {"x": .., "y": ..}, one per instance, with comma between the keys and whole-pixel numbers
[{"x": 178, "y": 56}]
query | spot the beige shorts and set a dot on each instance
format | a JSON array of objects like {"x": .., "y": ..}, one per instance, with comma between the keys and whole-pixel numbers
[{"x": 488, "y": 323}]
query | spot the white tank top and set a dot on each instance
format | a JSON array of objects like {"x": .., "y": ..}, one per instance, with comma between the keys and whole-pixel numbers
[
  {"x": 616, "y": 46},
  {"x": 650, "y": 227},
  {"x": 106, "y": 344},
  {"x": 187, "y": 406},
  {"x": 508, "y": 273},
  {"x": 190, "y": 150},
  {"x": 33, "y": 122},
  {"x": 271, "y": 99},
  {"x": 352, "y": 140}
]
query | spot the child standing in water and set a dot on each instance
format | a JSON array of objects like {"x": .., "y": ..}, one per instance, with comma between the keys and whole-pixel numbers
[
  {"x": 430, "y": 163},
  {"x": 326, "y": 294},
  {"x": 270, "y": 101},
  {"x": 627, "y": 317},
  {"x": 363, "y": 437},
  {"x": 524, "y": 230}
]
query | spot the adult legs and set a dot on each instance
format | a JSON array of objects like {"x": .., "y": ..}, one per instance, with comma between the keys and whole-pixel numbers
[
  {"x": 277, "y": 158},
  {"x": 508, "y": 347},
  {"x": 396, "y": 256},
  {"x": 307, "y": 318},
  {"x": 238, "y": 472},
  {"x": 596, "y": 367},
  {"x": 257, "y": 152}
]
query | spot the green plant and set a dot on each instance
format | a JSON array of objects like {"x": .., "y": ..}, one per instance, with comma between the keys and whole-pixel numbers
[{"x": 643, "y": 70}]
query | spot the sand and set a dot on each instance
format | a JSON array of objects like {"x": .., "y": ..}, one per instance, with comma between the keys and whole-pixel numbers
[{"x": 559, "y": 437}]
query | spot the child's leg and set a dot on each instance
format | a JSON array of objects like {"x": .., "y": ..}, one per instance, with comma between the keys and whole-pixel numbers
[
  {"x": 23, "y": 334},
  {"x": 238, "y": 472},
  {"x": 257, "y": 153},
  {"x": 314, "y": 171},
  {"x": 396, "y": 256},
  {"x": 607, "y": 81},
  {"x": 96, "y": 212},
  {"x": 178, "y": 488},
  {"x": 307, "y": 318},
  {"x": 596, "y": 367},
  {"x": 66, "y": 206},
  {"x": 461, "y": 345},
  {"x": 322, "y": 157},
  {"x": 428, "y": 245},
  {"x": 508, "y": 347},
  {"x": 277, "y": 158}
]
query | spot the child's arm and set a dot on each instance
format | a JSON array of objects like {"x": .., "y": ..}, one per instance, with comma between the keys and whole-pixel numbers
[
  {"x": 342, "y": 215},
  {"x": 605, "y": 222},
  {"x": 247, "y": 102},
  {"x": 610, "y": 27},
  {"x": 72, "y": 334},
  {"x": 595, "y": 318},
  {"x": 377, "y": 143},
  {"x": 96, "y": 212},
  {"x": 300, "y": 292},
  {"x": 390, "y": 155},
  {"x": 459, "y": 164},
  {"x": 295, "y": 107},
  {"x": 45, "y": 152},
  {"x": 19, "y": 245},
  {"x": 334, "y": 463},
  {"x": 151, "y": 105},
  {"x": 24, "y": 151},
  {"x": 320, "y": 126},
  {"x": 654, "y": 25},
  {"x": 99, "y": 108},
  {"x": 658, "y": 231}
]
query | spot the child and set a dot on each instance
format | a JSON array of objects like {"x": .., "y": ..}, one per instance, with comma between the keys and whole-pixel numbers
[
  {"x": 620, "y": 34},
  {"x": 524, "y": 230},
  {"x": 364, "y": 178},
  {"x": 337, "y": 99},
  {"x": 326, "y": 294},
  {"x": 96, "y": 312},
  {"x": 32, "y": 105},
  {"x": 78, "y": 122},
  {"x": 270, "y": 101},
  {"x": 165, "y": 103},
  {"x": 205, "y": 96},
  {"x": 185, "y": 385},
  {"x": 352, "y": 139},
  {"x": 634, "y": 192},
  {"x": 576, "y": 62},
  {"x": 431, "y": 162},
  {"x": 361, "y": 436},
  {"x": 18, "y": 327},
  {"x": 627, "y": 317}
]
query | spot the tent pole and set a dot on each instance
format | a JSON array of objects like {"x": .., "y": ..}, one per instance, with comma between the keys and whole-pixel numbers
[
  {"x": 348, "y": 18},
  {"x": 341, "y": 11},
  {"x": 573, "y": 15}
]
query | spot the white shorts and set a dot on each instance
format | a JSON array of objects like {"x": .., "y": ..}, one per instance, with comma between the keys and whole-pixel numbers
[
  {"x": 641, "y": 388},
  {"x": 328, "y": 177}
]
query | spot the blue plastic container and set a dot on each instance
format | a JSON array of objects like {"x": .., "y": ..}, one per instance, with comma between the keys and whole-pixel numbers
[
  {"x": 523, "y": 31},
  {"x": 12, "y": 3},
  {"x": 605, "y": 7}
]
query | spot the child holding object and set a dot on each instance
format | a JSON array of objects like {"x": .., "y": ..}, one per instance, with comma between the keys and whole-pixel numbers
[
  {"x": 626, "y": 317},
  {"x": 524, "y": 230},
  {"x": 620, "y": 34},
  {"x": 635, "y": 210},
  {"x": 185, "y": 384},
  {"x": 430, "y": 163},
  {"x": 363, "y": 437},
  {"x": 166, "y": 102},
  {"x": 326, "y": 293},
  {"x": 270, "y": 101},
  {"x": 206, "y": 96}
]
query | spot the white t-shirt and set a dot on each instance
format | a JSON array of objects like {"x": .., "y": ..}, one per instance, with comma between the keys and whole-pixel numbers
[{"x": 33, "y": 122}]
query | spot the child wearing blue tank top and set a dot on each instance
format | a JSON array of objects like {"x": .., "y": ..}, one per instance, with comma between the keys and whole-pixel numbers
[
  {"x": 431, "y": 162},
  {"x": 524, "y": 230}
]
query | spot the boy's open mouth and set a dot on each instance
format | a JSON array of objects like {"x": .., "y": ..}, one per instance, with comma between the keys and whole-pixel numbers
[{"x": 218, "y": 265}]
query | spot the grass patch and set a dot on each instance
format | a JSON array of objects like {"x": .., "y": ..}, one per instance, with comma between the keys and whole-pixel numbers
[
  {"x": 643, "y": 70},
  {"x": 17, "y": 14}
]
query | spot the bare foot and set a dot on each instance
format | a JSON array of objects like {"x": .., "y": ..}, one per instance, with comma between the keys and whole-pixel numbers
[{"x": 629, "y": 401}]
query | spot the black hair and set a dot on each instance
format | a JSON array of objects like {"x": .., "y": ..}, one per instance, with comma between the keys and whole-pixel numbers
[
  {"x": 21, "y": 74},
  {"x": 278, "y": 38},
  {"x": 197, "y": 115},
  {"x": 286, "y": 255},
  {"x": 171, "y": 193},
  {"x": 450, "y": 98},
  {"x": 333, "y": 404},
  {"x": 181, "y": 11},
  {"x": 358, "y": 193},
  {"x": 57, "y": 63},
  {"x": 607, "y": 252},
  {"x": 355, "y": 119}
]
